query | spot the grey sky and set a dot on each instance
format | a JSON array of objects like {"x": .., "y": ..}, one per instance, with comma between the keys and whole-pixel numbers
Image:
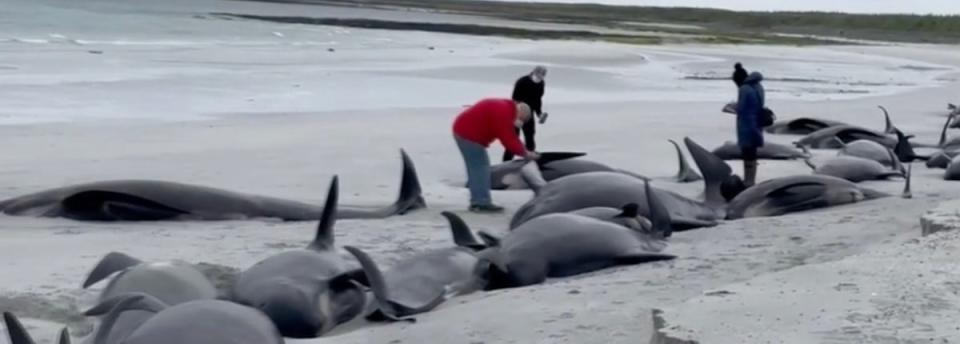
[{"x": 858, "y": 6}]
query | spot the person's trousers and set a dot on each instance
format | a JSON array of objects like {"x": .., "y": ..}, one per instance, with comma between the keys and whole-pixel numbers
[
  {"x": 529, "y": 129},
  {"x": 749, "y": 156},
  {"x": 478, "y": 170}
]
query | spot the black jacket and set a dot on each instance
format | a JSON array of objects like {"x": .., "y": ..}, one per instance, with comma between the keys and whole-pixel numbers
[{"x": 527, "y": 91}]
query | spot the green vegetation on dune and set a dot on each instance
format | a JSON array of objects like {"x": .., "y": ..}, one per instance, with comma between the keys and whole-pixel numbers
[
  {"x": 469, "y": 29},
  {"x": 722, "y": 25}
]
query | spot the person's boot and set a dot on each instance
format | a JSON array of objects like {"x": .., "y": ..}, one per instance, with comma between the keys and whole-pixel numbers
[
  {"x": 749, "y": 173},
  {"x": 486, "y": 208}
]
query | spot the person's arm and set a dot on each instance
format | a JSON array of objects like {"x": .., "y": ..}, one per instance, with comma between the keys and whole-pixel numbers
[
  {"x": 536, "y": 102},
  {"x": 518, "y": 89},
  {"x": 509, "y": 139},
  {"x": 742, "y": 100},
  {"x": 749, "y": 106}
]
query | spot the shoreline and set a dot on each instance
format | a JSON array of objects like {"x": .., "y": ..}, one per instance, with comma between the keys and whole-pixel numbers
[{"x": 725, "y": 25}]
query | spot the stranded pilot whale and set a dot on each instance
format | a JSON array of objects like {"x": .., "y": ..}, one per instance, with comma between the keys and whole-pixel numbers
[
  {"x": 566, "y": 244},
  {"x": 153, "y": 200},
  {"x": 614, "y": 190}
]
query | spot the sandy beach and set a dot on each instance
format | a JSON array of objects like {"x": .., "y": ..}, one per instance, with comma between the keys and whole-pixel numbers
[{"x": 278, "y": 110}]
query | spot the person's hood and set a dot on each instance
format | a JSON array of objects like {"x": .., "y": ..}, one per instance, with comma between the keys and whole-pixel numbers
[{"x": 753, "y": 78}]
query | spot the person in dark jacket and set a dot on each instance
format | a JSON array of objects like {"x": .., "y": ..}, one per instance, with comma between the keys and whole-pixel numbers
[
  {"x": 750, "y": 104},
  {"x": 739, "y": 74},
  {"x": 529, "y": 89}
]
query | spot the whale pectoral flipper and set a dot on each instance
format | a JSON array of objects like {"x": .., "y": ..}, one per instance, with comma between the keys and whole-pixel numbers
[
  {"x": 404, "y": 312},
  {"x": 133, "y": 212},
  {"x": 111, "y": 263},
  {"x": 139, "y": 301},
  {"x": 679, "y": 224},
  {"x": 489, "y": 239},
  {"x": 381, "y": 292},
  {"x": 548, "y": 157},
  {"x": 642, "y": 256},
  {"x": 798, "y": 197},
  {"x": 112, "y": 206}
]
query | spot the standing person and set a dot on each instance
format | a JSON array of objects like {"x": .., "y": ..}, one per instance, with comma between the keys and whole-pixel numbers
[
  {"x": 529, "y": 89},
  {"x": 474, "y": 129},
  {"x": 739, "y": 74},
  {"x": 750, "y": 105}
]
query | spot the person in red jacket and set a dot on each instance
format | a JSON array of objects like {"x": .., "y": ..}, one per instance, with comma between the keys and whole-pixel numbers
[{"x": 474, "y": 129}]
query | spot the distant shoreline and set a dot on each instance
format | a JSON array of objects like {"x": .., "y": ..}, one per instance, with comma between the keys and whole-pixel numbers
[{"x": 654, "y": 25}]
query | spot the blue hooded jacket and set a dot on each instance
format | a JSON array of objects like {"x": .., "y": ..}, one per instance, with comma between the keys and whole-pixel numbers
[{"x": 749, "y": 105}]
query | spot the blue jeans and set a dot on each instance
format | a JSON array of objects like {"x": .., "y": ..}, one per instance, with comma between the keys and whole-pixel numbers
[{"x": 478, "y": 170}]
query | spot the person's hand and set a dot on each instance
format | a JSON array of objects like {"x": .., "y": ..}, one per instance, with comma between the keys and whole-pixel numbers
[
  {"x": 532, "y": 155},
  {"x": 543, "y": 117}
]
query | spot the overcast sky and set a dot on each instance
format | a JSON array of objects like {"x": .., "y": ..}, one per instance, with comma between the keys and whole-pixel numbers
[{"x": 859, "y": 6}]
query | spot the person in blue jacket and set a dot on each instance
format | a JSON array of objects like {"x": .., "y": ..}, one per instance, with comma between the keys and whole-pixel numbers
[{"x": 750, "y": 104}]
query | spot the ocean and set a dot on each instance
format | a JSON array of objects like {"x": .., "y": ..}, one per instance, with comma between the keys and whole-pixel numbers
[{"x": 942, "y": 7}]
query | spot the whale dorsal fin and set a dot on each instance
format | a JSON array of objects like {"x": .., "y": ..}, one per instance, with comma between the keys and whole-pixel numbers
[
  {"x": 888, "y": 125},
  {"x": 715, "y": 172},
  {"x": 18, "y": 334},
  {"x": 659, "y": 215},
  {"x": 324, "y": 237},
  {"x": 685, "y": 174},
  {"x": 64, "y": 336},
  {"x": 109, "y": 264},
  {"x": 411, "y": 194},
  {"x": 462, "y": 235}
]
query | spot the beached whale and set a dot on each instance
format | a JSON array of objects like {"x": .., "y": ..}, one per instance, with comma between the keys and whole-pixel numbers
[
  {"x": 792, "y": 194},
  {"x": 872, "y": 151},
  {"x": 801, "y": 126},
  {"x": 769, "y": 151},
  {"x": 854, "y": 169},
  {"x": 613, "y": 190},
  {"x": 827, "y": 138},
  {"x": 154, "y": 200},
  {"x": 566, "y": 244},
  {"x": 772, "y": 197},
  {"x": 552, "y": 165}
]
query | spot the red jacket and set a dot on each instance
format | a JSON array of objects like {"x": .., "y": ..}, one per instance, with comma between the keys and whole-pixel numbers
[{"x": 488, "y": 120}]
